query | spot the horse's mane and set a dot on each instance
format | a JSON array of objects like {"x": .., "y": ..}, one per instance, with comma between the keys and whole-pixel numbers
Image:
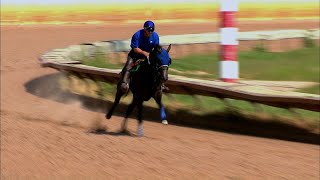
[{"x": 157, "y": 48}]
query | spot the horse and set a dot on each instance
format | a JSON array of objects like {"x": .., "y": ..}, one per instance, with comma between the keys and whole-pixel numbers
[{"x": 145, "y": 83}]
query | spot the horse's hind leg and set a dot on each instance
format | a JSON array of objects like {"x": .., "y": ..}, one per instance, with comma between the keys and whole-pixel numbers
[
  {"x": 140, "y": 122},
  {"x": 119, "y": 94},
  {"x": 163, "y": 115}
]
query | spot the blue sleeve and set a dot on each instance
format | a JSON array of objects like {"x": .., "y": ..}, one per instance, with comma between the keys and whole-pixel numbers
[
  {"x": 156, "y": 39},
  {"x": 135, "y": 41}
]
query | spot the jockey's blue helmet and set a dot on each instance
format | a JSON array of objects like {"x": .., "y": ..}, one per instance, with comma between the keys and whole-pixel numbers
[{"x": 149, "y": 25}]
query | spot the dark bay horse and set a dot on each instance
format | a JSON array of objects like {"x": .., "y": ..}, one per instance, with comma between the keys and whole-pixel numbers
[{"x": 145, "y": 83}]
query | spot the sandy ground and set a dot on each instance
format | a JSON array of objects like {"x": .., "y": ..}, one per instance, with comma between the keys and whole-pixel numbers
[{"x": 42, "y": 138}]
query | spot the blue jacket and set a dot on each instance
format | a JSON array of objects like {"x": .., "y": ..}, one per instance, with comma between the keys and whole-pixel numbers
[{"x": 138, "y": 40}]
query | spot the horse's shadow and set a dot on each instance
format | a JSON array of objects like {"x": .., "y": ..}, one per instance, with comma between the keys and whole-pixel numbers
[
  {"x": 226, "y": 121},
  {"x": 112, "y": 133}
]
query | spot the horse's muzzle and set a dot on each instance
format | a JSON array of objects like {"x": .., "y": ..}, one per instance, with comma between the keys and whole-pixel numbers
[{"x": 164, "y": 75}]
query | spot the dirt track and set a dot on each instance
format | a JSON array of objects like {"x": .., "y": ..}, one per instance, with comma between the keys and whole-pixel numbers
[{"x": 42, "y": 138}]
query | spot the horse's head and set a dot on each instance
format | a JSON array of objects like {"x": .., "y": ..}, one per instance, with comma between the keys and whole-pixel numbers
[{"x": 160, "y": 58}]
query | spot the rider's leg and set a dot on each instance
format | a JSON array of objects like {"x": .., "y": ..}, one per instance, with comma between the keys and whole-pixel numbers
[{"x": 126, "y": 75}]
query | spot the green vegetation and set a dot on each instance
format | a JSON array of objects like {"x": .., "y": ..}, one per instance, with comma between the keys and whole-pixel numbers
[
  {"x": 260, "y": 47},
  {"x": 298, "y": 65},
  {"x": 100, "y": 60},
  {"x": 311, "y": 90},
  {"x": 309, "y": 42},
  {"x": 204, "y": 105}
]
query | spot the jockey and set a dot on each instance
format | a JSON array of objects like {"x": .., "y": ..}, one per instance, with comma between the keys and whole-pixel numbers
[{"x": 142, "y": 43}]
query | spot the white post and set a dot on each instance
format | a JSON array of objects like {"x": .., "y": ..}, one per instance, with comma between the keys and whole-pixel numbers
[{"x": 229, "y": 67}]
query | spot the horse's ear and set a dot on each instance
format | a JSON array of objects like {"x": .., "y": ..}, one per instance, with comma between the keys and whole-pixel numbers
[{"x": 168, "y": 49}]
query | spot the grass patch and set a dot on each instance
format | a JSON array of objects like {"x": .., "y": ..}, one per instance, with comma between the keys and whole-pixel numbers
[
  {"x": 297, "y": 65},
  {"x": 203, "y": 105},
  {"x": 311, "y": 90},
  {"x": 100, "y": 60}
]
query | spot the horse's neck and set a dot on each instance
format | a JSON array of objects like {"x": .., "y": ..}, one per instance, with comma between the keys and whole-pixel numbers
[
  {"x": 144, "y": 83},
  {"x": 149, "y": 73}
]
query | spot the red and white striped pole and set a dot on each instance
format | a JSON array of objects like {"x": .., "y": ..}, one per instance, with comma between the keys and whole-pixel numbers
[{"x": 229, "y": 68}]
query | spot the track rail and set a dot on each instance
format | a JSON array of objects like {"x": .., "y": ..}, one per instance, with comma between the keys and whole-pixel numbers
[{"x": 180, "y": 85}]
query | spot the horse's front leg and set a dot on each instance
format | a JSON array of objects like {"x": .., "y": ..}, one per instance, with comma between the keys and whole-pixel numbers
[
  {"x": 140, "y": 122},
  {"x": 163, "y": 115},
  {"x": 128, "y": 112},
  {"x": 119, "y": 94}
]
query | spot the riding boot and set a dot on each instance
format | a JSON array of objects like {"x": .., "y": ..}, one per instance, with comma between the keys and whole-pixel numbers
[
  {"x": 126, "y": 75},
  {"x": 164, "y": 88}
]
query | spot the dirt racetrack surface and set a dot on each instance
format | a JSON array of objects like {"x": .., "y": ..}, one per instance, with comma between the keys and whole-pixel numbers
[{"x": 46, "y": 138}]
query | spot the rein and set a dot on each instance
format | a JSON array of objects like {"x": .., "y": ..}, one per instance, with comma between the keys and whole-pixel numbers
[
  {"x": 136, "y": 65},
  {"x": 164, "y": 67}
]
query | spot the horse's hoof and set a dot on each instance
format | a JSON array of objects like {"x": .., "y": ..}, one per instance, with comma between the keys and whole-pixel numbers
[
  {"x": 140, "y": 131},
  {"x": 165, "y": 122},
  {"x": 140, "y": 134},
  {"x": 108, "y": 116}
]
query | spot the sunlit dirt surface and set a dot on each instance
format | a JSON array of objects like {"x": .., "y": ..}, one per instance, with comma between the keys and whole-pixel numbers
[{"x": 42, "y": 138}]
